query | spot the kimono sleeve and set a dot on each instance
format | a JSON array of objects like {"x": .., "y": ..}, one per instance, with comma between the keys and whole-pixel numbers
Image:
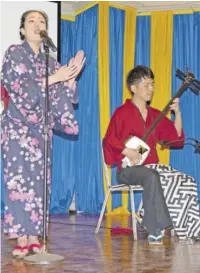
[
  {"x": 62, "y": 97},
  {"x": 166, "y": 131},
  {"x": 70, "y": 92},
  {"x": 112, "y": 142},
  {"x": 63, "y": 110},
  {"x": 22, "y": 89}
]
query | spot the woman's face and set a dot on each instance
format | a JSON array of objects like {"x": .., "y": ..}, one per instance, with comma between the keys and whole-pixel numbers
[{"x": 34, "y": 23}]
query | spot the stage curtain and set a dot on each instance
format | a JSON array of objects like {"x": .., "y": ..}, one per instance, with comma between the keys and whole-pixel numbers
[
  {"x": 63, "y": 180},
  {"x": 76, "y": 166},
  {"x": 186, "y": 56},
  {"x": 142, "y": 57},
  {"x": 161, "y": 64},
  {"x": 116, "y": 35},
  {"x": 89, "y": 193},
  {"x": 129, "y": 54},
  {"x": 104, "y": 79}
]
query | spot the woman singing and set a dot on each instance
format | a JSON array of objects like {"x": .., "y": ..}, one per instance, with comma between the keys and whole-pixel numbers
[{"x": 23, "y": 76}]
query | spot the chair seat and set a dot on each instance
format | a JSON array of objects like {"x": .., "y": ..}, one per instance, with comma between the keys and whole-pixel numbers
[{"x": 123, "y": 187}]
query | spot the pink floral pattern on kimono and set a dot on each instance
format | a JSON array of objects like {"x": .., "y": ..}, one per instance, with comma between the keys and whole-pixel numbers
[{"x": 23, "y": 135}]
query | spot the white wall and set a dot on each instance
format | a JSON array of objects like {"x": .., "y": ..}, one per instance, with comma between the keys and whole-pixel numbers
[{"x": 11, "y": 12}]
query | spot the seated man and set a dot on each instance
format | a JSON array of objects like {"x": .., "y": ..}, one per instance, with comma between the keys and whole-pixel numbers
[{"x": 161, "y": 183}]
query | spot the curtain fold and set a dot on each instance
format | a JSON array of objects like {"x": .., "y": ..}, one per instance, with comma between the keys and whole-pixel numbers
[
  {"x": 142, "y": 57},
  {"x": 161, "y": 64},
  {"x": 129, "y": 46},
  {"x": 88, "y": 164},
  {"x": 116, "y": 35},
  {"x": 129, "y": 51},
  {"x": 104, "y": 85},
  {"x": 186, "y": 55},
  {"x": 77, "y": 165},
  {"x": 63, "y": 160},
  {"x": 142, "y": 41}
]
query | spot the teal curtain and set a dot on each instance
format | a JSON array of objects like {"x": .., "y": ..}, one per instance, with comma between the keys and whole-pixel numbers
[
  {"x": 77, "y": 165},
  {"x": 186, "y": 54},
  {"x": 63, "y": 167},
  {"x": 142, "y": 57},
  {"x": 142, "y": 47},
  {"x": 88, "y": 165},
  {"x": 116, "y": 35},
  {"x": 67, "y": 40}
]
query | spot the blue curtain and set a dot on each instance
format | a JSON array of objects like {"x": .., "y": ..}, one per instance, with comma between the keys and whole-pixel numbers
[
  {"x": 67, "y": 40},
  {"x": 63, "y": 180},
  {"x": 186, "y": 54},
  {"x": 142, "y": 46},
  {"x": 116, "y": 33},
  {"x": 142, "y": 57},
  {"x": 77, "y": 163},
  {"x": 88, "y": 165}
]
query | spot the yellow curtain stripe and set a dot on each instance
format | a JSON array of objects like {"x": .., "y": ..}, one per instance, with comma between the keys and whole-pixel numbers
[
  {"x": 161, "y": 63},
  {"x": 186, "y": 11},
  {"x": 148, "y": 13},
  {"x": 129, "y": 54},
  {"x": 68, "y": 18},
  {"x": 118, "y": 6},
  {"x": 86, "y": 8},
  {"x": 103, "y": 67},
  {"x": 144, "y": 13}
]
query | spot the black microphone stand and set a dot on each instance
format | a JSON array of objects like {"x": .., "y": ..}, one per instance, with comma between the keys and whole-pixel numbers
[
  {"x": 44, "y": 257},
  {"x": 195, "y": 144}
]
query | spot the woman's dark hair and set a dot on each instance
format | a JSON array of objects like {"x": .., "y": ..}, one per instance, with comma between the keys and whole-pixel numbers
[
  {"x": 23, "y": 18},
  {"x": 137, "y": 74}
]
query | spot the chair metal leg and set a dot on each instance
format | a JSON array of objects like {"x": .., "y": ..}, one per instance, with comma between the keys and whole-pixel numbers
[
  {"x": 102, "y": 212},
  {"x": 133, "y": 214},
  {"x": 141, "y": 205}
]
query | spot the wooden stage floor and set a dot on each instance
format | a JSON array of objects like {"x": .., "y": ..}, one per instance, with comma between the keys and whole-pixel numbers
[{"x": 73, "y": 237}]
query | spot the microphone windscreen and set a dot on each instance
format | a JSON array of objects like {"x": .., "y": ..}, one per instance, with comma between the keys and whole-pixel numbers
[{"x": 43, "y": 34}]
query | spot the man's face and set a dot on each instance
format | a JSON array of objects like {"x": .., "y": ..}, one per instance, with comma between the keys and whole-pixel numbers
[{"x": 143, "y": 90}]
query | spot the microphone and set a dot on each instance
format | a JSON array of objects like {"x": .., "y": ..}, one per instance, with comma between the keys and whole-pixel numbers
[
  {"x": 195, "y": 84},
  {"x": 48, "y": 41}
]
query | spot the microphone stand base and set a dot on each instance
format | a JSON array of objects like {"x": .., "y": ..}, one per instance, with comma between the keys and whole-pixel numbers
[{"x": 43, "y": 259}]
